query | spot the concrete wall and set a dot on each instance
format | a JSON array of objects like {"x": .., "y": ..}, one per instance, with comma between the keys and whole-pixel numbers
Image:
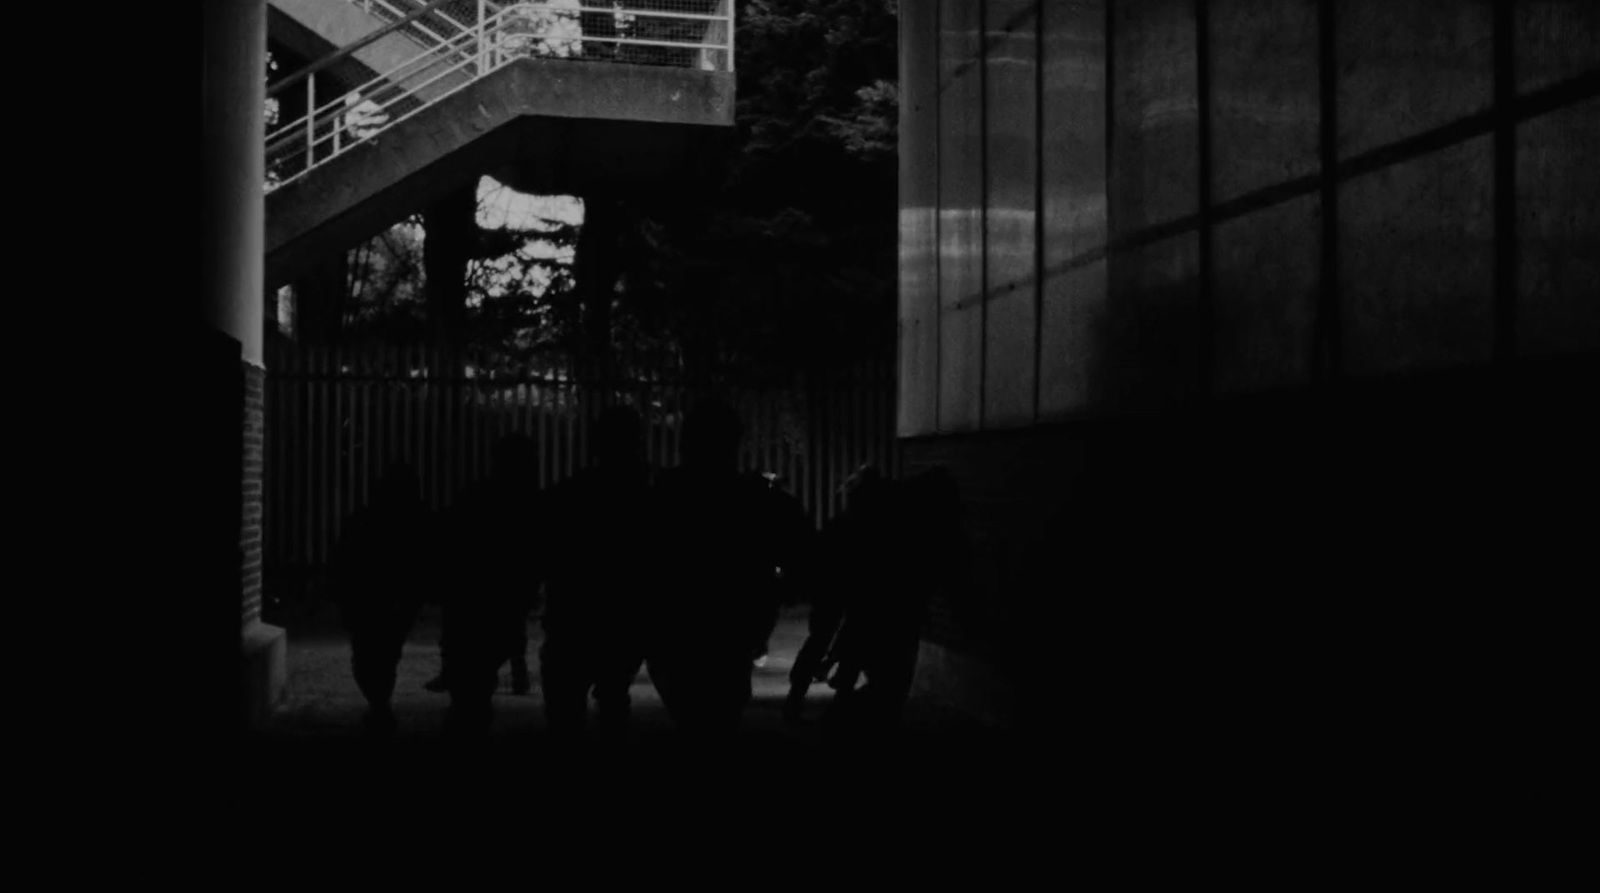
[
  {"x": 1270, "y": 263},
  {"x": 1121, "y": 224}
]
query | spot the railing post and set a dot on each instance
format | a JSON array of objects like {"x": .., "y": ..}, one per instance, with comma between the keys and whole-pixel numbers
[
  {"x": 730, "y": 35},
  {"x": 483, "y": 48},
  {"x": 311, "y": 119}
]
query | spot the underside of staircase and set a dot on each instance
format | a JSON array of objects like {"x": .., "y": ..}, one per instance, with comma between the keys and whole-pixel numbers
[
  {"x": 542, "y": 126},
  {"x": 474, "y": 105}
]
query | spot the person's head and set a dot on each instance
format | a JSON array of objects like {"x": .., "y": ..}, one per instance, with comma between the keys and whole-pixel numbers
[
  {"x": 616, "y": 436},
  {"x": 867, "y": 490},
  {"x": 711, "y": 437},
  {"x": 397, "y": 487},
  {"x": 936, "y": 497},
  {"x": 515, "y": 458}
]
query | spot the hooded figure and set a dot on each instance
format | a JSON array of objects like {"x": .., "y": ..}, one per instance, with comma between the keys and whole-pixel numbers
[
  {"x": 722, "y": 536},
  {"x": 382, "y": 573},
  {"x": 495, "y": 581},
  {"x": 857, "y": 561},
  {"x": 917, "y": 551},
  {"x": 598, "y": 530}
]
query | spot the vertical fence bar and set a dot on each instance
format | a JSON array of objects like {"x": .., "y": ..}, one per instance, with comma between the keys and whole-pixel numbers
[
  {"x": 391, "y": 413},
  {"x": 424, "y": 415},
  {"x": 542, "y": 423},
  {"x": 404, "y": 439},
  {"x": 576, "y": 394},
  {"x": 308, "y": 478},
  {"x": 338, "y": 477},
  {"x": 474, "y": 435},
  {"x": 813, "y": 448},
  {"x": 269, "y": 456},
  {"x": 476, "y": 443},
  {"x": 436, "y": 413},
  {"x": 505, "y": 417},
  {"x": 458, "y": 422},
  {"x": 584, "y": 392},
  {"x": 444, "y": 410},
  {"x": 851, "y": 433},
  {"x": 418, "y": 439},
  {"x": 861, "y": 435},
  {"x": 434, "y": 405},
  {"x": 324, "y": 457},
  {"x": 368, "y": 394},
  {"x": 839, "y": 431}
]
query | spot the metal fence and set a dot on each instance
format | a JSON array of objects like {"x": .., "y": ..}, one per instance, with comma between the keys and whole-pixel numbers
[
  {"x": 461, "y": 41},
  {"x": 335, "y": 418}
]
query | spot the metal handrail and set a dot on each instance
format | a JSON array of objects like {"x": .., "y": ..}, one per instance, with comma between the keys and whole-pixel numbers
[
  {"x": 495, "y": 41},
  {"x": 385, "y": 5},
  {"x": 394, "y": 78},
  {"x": 349, "y": 49},
  {"x": 394, "y": 11}
]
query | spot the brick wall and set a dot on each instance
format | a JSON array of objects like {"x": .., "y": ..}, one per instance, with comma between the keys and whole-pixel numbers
[{"x": 250, "y": 529}]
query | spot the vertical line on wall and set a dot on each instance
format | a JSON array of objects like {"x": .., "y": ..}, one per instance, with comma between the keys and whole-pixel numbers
[
  {"x": 1207, "y": 330},
  {"x": 1327, "y": 345},
  {"x": 1505, "y": 182}
]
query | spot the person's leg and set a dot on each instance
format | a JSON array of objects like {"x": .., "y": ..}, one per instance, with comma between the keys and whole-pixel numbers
[
  {"x": 564, "y": 685},
  {"x": 519, "y": 654},
  {"x": 471, "y": 701},
  {"x": 808, "y": 664},
  {"x": 895, "y": 675},
  {"x": 439, "y": 684},
  {"x": 366, "y": 664},
  {"x": 472, "y": 669},
  {"x": 614, "y": 679},
  {"x": 669, "y": 661},
  {"x": 375, "y": 657}
]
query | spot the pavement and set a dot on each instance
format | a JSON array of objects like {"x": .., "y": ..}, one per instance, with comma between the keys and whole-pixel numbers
[
  {"x": 314, "y": 757},
  {"x": 324, "y": 704}
]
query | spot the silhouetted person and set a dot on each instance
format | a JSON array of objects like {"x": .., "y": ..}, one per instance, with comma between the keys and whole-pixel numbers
[
  {"x": 598, "y": 531},
  {"x": 856, "y": 556},
  {"x": 796, "y": 545},
  {"x": 722, "y": 536},
  {"x": 382, "y": 573},
  {"x": 884, "y": 616},
  {"x": 494, "y": 584}
]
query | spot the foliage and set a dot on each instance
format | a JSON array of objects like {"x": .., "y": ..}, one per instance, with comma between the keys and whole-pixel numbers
[{"x": 792, "y": 257}]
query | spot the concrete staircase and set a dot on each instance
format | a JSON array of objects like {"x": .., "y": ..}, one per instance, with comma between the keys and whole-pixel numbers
[{"x": 515, "y": 96}]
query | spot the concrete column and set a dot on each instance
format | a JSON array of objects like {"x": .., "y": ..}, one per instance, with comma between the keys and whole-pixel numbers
[
  {"x": 234, "y": 170},
  {"x": 233, "y": 299}
]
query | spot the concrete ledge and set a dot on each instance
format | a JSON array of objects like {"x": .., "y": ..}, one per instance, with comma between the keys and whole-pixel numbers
[
  {"x": 265, "y": 664},
  {"x": 966, "y": 685}
]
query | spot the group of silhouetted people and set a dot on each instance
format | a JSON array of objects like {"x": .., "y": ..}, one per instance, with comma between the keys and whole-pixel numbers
[{"x": 682, "y": 571}]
